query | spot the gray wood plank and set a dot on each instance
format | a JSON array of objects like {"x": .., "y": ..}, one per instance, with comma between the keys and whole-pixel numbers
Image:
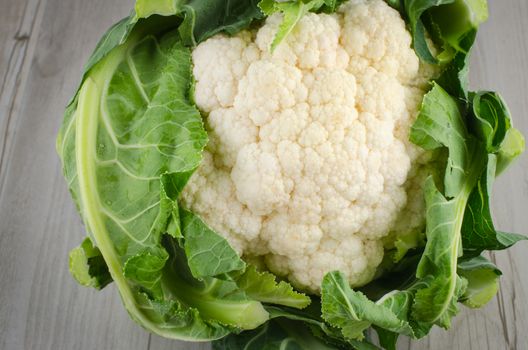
[
  {"x": 159, "y": 343},
  {"x": 41, "y": 307},
  {"x": 11, "y": 19},
  {"x": 18, "y": 36}
]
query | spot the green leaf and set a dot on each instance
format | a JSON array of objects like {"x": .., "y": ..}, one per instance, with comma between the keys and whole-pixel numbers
[
  {"x": 511, "y": 148},
  {"x": 216, "y": 300},
  {"x": 440, "y": 123},
  {"x": 147, "y": 8},
  {"x": 455, "y": 77},
  {"x": 437, "y": 303},
  {"x": 454, "y": 24},
  {"x": 478, "y": 231},
  {"x": 395, "y": 4},
  {"x": 172, "y": 317},
  {"x": 130, "y": 129},
  {"x": 278, "y": 334},
  {"x": 88, "y": 267},
  {"x": 115, "y": 36},
  {"x": 208, "y": 254},
  {"x": 145, "y": 269},
  {"x": 483, "y": 281},
  {"x": 414, "y": 10},
  {"x": 399, "y": 302},
  {"x": 458, "y": 22},
  {"x": 406, "y": 242},
  {"x": 491, "y": 119},
  {"x": 311, "y": 318},
  {"x": 262, "y": 286},
  {"x": 353, "y": 312},
  {"x": 205, "y": 18}
]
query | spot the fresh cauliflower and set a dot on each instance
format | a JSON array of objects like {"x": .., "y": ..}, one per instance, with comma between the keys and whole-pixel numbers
[{"x": 309, "y": 165}]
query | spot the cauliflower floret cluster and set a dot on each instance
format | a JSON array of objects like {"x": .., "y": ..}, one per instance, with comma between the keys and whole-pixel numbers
[{"x": 309, "y": 164}]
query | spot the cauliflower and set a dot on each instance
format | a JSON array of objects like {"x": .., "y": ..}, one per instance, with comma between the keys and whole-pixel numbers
[
  {"x": 309, "y": 166},
  {"x": 316, "y": 141}
]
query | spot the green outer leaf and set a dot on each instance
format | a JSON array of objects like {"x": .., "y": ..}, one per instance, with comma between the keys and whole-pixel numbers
[
  {"x": 511, "y": 148},
  {"x": 483, "y": 281},
  {"x": 396, "y": 4},
  {"x": 115, "y": 36},
  {"x": 406, "y": 242},
  {"x": 353, "y": 313},
  {"x": 174, "y": 318},
  {"x": 458, "y": 22},
  {"x": 478, "y": 231},
  {"x": 491, "y": 119},
  {"x": 100, "y": 158},
  {"x": 414, "y": 10},
  {"x": 278, "y": 334},
  {"x": 147, "y": 8},
  {"x": 491, "y": 122},
  {"x": 87, "y": 266},
  {"x": 436, "y": 303},
  {"x": 455, "y": 77},
  {"x": 205, "y": 18},
  {"x": 477, "y": 263},
  {"x": 454, "y": 21},
  {"x": 145, "y": 269},
  {"x": 217, "y": 301},
  {"x": 262, "y": 286},
  {"x": 311, "y": 318},
  {"x": 208, "y": 254},
  {"x": 440, "y": 123}
]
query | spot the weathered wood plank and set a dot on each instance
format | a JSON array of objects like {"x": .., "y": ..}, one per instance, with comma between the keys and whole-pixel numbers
[
  {"x": 11, "y": 20},
  {"x": 18, "y": 36},
  {"x": 159, "y": 343},
  {"x": 501, "y": 63}
]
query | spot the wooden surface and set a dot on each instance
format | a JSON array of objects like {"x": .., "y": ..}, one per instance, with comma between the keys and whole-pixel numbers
[{"x": 43, "y": 45}]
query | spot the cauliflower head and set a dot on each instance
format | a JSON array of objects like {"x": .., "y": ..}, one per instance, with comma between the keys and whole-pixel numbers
[{"x": 309, "y": 166}]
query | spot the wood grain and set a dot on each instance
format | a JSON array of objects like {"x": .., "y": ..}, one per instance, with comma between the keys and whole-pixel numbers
[{"x": 43, "y": 46}]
